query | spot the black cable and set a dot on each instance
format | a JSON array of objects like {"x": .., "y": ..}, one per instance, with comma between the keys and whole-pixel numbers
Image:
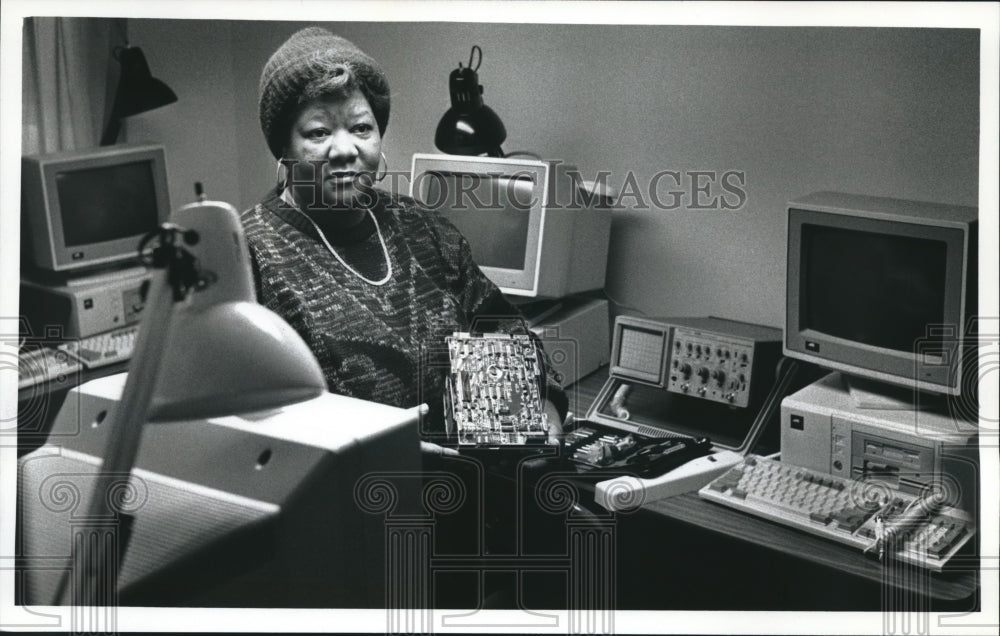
[{"x": 785, "y": 373}]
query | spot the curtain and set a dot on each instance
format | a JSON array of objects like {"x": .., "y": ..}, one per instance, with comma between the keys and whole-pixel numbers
[{"x": 68, "y": 79}]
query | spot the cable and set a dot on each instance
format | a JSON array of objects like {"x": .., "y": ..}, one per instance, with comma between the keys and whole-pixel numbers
[
  {"x": 622, "y": 305},
  {"x": 785, "y": 372}
]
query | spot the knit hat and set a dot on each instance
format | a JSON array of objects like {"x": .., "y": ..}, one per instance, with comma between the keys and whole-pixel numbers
[{"x": 311, "y": 63}]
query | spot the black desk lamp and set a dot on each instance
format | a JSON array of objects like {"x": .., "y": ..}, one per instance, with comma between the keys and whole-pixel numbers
[
  {"x": 138, "y": 91},
  {"x": 470, "y": 127}
]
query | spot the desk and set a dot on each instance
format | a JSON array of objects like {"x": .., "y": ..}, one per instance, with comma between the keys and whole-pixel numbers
[
  {"x": 688, "y": 553},
  {"x": 685, "y": 553}
]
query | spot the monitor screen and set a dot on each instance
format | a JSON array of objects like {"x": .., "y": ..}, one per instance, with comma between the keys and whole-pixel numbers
[
  {"x": 532, "y": 228},
  {"x": 881, "y": 289},
  {"x": 877, "y": 289},
  {"x": 107, "y": 203},
  {"x": 642, "y": 351},
  {"x": 87, "y": 209},
  {"x": 491, "y": 211}
]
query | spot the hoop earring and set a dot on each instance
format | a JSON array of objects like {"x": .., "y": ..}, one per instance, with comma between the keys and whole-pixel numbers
[
  {"x": 386, "y": 173},
  {"x": 282, "y": 180}
]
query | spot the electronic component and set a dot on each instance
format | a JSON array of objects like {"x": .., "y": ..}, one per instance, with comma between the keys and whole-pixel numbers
[
  {"x": 692, "y": 377},
  {"x": 88, "y": 305},
  {"x": 588, "y": 446},
  {"x": 823, "y": 429},
  {"x": 493, "y": 394},
  {"x": 707, "y": 358},
  {"x": 843, "y": 510},
  {"x": 103, "y": 349},
  {"x": 592, "y": 449},
  {"x": 537, "y": 230},
  {"x": 574, "y": 333},
  {"x": 84, "y": 210},
  {"x": 42, "y": 364},
  {"x": 66, "y": 360},
  {"x": 885, "y": 290}
]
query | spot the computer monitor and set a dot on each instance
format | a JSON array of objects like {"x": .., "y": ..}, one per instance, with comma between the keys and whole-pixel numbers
[
  {"x": 883, "y": 289},
  {"x": 87, "y": 209},
  {"x": 533, "y": 230}
]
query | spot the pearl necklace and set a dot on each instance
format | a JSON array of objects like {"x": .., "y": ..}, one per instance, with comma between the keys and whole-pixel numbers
[{"x": 381, "y": 240}]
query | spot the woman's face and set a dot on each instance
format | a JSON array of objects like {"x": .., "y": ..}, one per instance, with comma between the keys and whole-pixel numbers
[{"x": 342, "y": 134}]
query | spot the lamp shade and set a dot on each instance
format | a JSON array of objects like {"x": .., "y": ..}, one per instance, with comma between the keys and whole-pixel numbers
[
  {"x": 223, "y": 353},
  {"x": 228, "y": 358},
  {"x": 138, "y": 91},
  {"x": 469, "y": 127},
  {"x": 477, "y": 133}
]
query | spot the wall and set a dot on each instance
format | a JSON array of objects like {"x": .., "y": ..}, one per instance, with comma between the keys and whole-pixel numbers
[
  {"x": 890, "y": 112},
  {"x": 199, "y": 131}
]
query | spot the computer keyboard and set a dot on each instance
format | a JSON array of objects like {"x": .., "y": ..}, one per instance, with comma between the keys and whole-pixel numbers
[
  {"x": 843, "y": 510},
  {"x": 103, "y": 349},
  {"x": 45, "y": 364}
]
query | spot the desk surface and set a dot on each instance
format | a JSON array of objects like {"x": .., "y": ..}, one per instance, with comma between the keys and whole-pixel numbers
[
  {"x": 692, "y": 516},
  {"x": 957, "y": 583}
]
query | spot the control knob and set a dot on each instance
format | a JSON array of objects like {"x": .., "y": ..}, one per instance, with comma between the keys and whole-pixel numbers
[
  {"x": 719, "y": 376},
  {"x": 703, "y": 373}
]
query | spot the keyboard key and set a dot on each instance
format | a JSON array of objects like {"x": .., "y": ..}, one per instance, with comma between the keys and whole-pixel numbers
[
  {"x": 105, "y": 348},
  {"x": 821, "y": 517},
  {"x": 851, "y": 519},
  {"x": 943, "y": 545}
]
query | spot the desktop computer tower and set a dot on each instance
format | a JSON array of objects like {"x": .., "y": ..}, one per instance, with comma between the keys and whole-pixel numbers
[
  {"x": 823, "y": 428},
  {"x": 85, "y": 306},
  {"x": 575, "y": 337}
]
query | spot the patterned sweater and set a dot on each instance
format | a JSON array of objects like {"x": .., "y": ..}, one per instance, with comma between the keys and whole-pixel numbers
[{"x": 380, "y": 343}]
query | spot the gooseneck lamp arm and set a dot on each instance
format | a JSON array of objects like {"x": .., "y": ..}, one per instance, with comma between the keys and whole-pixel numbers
[
  {"x": 94, "y": 567},
  {"x": 205, "y": 349}
]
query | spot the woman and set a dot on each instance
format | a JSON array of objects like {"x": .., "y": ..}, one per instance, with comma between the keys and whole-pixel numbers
[{"x": 373, "y": 282}]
